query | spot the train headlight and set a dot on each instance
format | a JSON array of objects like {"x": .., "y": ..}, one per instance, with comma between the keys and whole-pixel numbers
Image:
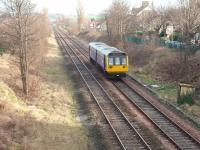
[{"x": 110, "y": 67}]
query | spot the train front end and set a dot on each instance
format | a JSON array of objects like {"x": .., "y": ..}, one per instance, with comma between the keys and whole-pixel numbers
[{"x": 117, "y": 65}]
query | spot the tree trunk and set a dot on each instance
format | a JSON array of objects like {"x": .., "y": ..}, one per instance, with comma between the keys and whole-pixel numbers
[
  {"x": 24, "y": 71},
  {"x": 23, "y": 57}
]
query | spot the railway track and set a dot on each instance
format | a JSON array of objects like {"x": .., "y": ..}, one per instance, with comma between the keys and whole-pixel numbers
[
  {"x": 178, "y": 136},
  {"x": 126, "y": 134},
  {"x": 152, "y": 142}
]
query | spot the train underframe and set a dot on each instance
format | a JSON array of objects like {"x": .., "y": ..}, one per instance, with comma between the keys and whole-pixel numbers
[{"x": 114, "y": 75}]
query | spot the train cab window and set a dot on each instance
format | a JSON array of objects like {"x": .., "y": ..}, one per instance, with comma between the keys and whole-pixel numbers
[
  {"x": 117, "y": 60},
  {"x": 123, "y": 60},
  {"x": 111, "y": 61}
]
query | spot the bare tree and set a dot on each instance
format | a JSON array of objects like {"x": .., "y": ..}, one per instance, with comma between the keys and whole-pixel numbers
[
  {"x": 21, "y": 18},
  {"x": 187, "y": 20},
  {"x": 161, "y": 18},
  {"x": 80, "y": 15},
  {"x": 117, "y": 18},
  {"x": 38, "y": 41}
]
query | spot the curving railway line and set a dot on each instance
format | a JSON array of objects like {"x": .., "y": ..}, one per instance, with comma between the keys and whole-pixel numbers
[
  {"x": 126, "y": 134},
  {"x": 174, "y": 132}
]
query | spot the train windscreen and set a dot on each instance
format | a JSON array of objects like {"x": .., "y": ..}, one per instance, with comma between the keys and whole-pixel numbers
[
  {"x": 123, "y": 60},
  {"x": 111, "y": 61},
  {"x": 117, "y": 59}
]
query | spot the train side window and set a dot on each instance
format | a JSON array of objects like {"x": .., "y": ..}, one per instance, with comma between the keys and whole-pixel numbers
[
  {"x": 123, "y": 61},
  {"x": 111, "y": 61},
  {"x": 117, "y": 60}
]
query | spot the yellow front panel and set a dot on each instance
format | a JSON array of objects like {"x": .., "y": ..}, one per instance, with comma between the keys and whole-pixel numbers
[{"x": 116, "y": 68}]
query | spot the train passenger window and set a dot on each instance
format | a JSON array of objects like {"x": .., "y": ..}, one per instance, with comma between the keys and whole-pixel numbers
[
  {"x": 123, "y": 61},
  {"x": 117, "y": 61},
  {"x": 111, "y": 61}
]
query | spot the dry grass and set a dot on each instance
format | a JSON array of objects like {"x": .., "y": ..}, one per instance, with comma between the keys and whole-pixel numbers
[{"x": 48, "y": 121}]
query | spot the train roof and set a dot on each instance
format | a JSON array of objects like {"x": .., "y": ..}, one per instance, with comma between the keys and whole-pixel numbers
[
  {"x": 105, "y": 49},
  {"x": 96, "y": 44}
]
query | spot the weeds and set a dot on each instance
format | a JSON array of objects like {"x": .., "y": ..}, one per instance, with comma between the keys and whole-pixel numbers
[
  {"x": 1, "y": 51},
  {"x": 34, "y": 86},
  {"x": 186, "y": 99}
]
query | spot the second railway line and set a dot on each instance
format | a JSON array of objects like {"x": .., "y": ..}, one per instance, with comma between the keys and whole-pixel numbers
[{"x": 181, "y": 139}]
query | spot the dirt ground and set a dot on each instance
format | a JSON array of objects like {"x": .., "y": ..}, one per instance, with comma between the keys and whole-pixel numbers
[{"x": 49, "y": 121}]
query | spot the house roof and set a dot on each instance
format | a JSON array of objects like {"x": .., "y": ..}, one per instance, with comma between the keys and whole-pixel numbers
[
  {"x": 146, "y": 6},
  {"x": 101, "y": 22}
]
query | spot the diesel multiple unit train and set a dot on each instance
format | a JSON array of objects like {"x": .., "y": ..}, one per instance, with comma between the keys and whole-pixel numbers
[{"x": 112, "y": 61}]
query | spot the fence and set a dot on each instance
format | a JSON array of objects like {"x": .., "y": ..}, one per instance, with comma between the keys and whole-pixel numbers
[{"x": 161, "y": 42}]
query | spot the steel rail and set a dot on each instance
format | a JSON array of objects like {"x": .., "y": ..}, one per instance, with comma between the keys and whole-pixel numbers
[
  {"x": 162, "y": 121},
  {"x": 108, "y": 98},
  {"x": 134, "y": 123},
  {"x": 178, "y": 126}
]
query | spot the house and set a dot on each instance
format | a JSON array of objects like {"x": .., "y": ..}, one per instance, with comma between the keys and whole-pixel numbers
[
  {"x": 92, "y": 24},
  {"x": 102, "y": 26},
  {"x": 142, "y": 13},
  {"x": 169, "y": 30},
  {"x": 146, "y": 8},
  {"x": 98, "y": 25}
]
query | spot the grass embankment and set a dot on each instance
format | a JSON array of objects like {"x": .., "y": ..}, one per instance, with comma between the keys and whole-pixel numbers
[
  {"x": 164, "y": 90},
  {"x": 48, "y": 121},
  {"x": 167, "y": 91}
]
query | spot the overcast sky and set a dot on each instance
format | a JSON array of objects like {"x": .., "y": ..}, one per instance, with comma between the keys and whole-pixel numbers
[{"x": 68, "y": 7}]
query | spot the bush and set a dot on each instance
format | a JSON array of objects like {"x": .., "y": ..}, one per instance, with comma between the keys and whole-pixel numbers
[
  {"x": 139, "y": 32},
  {"x": 151, "y": 32},
  {"x": 162, "y": 34},
  {"x": 172, "y": 68},
  {"x": 140, "y": 55},
  {"x": 1, "y": 51},
  {"x": 175, "y": 36},
  {"x": 186, "y": 99}
]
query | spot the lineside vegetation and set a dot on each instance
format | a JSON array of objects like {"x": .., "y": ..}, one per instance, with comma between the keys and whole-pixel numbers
[{"x": 24, "y": 32}]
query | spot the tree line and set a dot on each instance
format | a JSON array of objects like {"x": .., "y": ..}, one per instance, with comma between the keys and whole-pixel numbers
[{"x": 122, "y": 19}]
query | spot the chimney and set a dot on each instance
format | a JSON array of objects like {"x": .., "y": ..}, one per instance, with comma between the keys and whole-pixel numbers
[{"x": 145, "y": 3}]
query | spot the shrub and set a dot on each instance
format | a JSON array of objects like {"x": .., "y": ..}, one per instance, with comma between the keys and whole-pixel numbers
[
  {"x": 139, "y": 32},
  {"x": 1, "y": 51},
  {"x": 175, "y": 36},
  {"x": 186, "y": 99},
  {"x": 172, "y": 68},
  {"x": 140, "y": 55},
  {"x": 151, "y": 32},
  {"x": 162, "y": 34}
]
